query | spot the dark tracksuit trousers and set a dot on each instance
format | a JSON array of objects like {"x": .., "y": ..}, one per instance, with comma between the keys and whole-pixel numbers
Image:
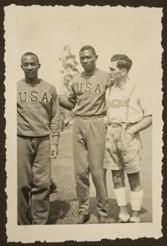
[
  {"x": 33, "y": 168},
  {"x": 88, "y": 149}
]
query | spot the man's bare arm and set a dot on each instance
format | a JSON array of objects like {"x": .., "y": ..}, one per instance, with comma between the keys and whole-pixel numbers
[{"x": 141, "y": 125}]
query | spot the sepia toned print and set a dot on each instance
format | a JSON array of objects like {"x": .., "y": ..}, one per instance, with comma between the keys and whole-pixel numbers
[{"x": 75, "y": 57}]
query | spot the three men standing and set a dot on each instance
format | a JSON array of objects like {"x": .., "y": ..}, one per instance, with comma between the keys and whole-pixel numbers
[{"x": 39, "y": 129}]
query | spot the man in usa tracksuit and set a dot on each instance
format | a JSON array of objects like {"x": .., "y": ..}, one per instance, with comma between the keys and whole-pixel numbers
[
  {"x": 38, "y": 130},
  {"x": 87, "y": 97}
]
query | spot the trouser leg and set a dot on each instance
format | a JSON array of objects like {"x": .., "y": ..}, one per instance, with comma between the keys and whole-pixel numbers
[
  {"x": 81, "y": 166},
  {"x": 41, "y": 182},
  {"x": 96, "y": 147},
  {"x": 24, "y": 179}
]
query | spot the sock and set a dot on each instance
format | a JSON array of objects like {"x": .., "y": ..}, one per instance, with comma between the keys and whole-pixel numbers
[
  {"x": 136, "y": 198},
  {"x": 121, "y": 196}
]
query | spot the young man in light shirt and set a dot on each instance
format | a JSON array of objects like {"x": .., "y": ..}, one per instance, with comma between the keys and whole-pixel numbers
[{"x": 128, "y": 113}]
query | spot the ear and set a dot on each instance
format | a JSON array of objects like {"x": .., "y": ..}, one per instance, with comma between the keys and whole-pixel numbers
[
  {"x": 96, "y": 57},
  {"x": 39, "y": 65},
  {"x": 124, "y": 71}
]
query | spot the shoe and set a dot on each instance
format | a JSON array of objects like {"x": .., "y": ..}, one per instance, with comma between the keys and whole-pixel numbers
[
  {"x": 53, "y": 187},
  {"x": 123, "y": 218},
  {"x": 83, "y": 217},
  {"x": 104, "y": 219},
  {"x": 135, "y": 219}
]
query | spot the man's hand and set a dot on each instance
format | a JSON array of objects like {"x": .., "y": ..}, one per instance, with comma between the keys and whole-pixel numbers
[
  {"x": 53, "y": 151},
  {"x": 128, "y": 136},
  {"x": 66, "y": 103}
]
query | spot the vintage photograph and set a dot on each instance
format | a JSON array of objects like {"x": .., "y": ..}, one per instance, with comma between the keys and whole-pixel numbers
[{"x": 83, "y": 122}]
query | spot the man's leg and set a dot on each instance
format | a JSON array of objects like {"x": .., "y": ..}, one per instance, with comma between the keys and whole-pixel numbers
[
  {"x": 81, "y": 169},
  {"x": 24, "y": 179},
  {"x": 136, "y": 196},
  {"x": 120, "y": 193},
  {"x": 41, "y": 181},
  {"x": 132, "y": 164},
  {"x": 96, "y": 146}
]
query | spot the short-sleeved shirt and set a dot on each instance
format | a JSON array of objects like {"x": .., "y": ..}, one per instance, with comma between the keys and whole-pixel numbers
[
  {"x": 127, "y": 104},
  {"x": 87, "y": 92}
]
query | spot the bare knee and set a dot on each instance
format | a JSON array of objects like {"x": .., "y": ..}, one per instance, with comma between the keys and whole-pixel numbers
[
  {"x": 134, "y": 181},
  {"x": 118, "y": 179}
]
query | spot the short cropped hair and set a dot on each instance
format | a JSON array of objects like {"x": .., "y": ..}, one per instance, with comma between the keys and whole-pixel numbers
[
  {"x": 88, "y": 47},
  {"x": 30, "y": 54},
  {"x": 123, "y": 61}
]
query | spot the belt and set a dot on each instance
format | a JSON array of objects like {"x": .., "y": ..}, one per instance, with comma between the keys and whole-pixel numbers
[
  {"x": 31, "y": 137},
  {"x": 115, "y": 125},
  {"x": 89, "y": 117}
]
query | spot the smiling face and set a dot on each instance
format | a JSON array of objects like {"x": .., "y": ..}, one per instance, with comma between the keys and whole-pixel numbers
[
  {"x": 88, "y": 60},
  {"x": 30, "y": 66}
]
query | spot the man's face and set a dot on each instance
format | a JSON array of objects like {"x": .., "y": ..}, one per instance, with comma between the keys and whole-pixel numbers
[
  {"x": 30, "y": 66},
  {"x": 88, "y": 60},
  {"x": 116, "y": 73}
]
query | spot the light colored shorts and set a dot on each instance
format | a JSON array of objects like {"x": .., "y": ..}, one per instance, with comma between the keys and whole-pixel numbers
[{"x": 122, "y": 150}]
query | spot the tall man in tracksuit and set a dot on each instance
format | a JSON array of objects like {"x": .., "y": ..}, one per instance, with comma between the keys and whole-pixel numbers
[
  {"x": 38, "y": 129},
  {"x": 87, "y": 95}
]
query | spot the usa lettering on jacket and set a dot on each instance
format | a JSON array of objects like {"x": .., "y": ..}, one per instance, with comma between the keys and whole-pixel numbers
[
  {"x": 34, "y": 96},
  {"x": 88, "y": 87}
]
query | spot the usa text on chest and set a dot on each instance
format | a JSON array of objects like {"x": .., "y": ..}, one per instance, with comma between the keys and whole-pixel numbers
[
  {"x": 33, "y": 96},
  {"x": 88, "y": 87}
]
